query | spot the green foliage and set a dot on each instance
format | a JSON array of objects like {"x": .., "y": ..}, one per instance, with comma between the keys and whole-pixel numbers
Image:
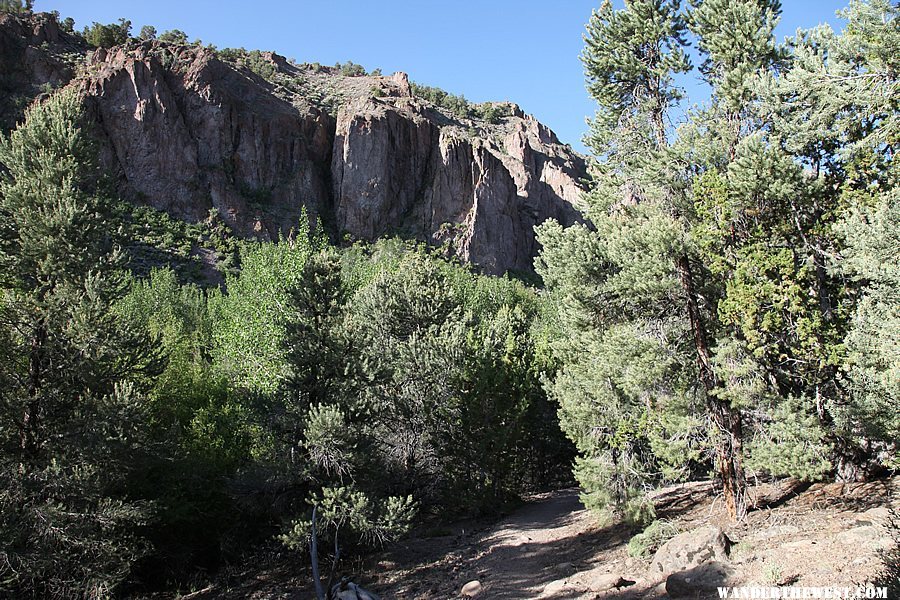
[
  {"x": 246, "y": 339},
  {"x": 747, "y": 255},
  {"x": 174, "y": 36},
  {"x": 350, "y": 69},
  {"x": 148, "y": 32},
  {"x": 251, "y": 59},
  {"x": 72, "y": 411},
  {"x": 343, "y": 509},
  {"x": 646, "y": 543},
  {"x": 734, "y": 55},
  {"x": 493, "y": 112},
  {"x": 624, "y": 384},
  {"x": 457, "y": 105},
  {"x": 791, "y": 444},
  {"x": 107, "y": 36},
  {"x": 188, "y": 394},
  {"x": 15, "y": 6},
  {"x": 630, "y": 57},
  {"x": 873, "y": 359},
  {"x": 207, "y": 432}
]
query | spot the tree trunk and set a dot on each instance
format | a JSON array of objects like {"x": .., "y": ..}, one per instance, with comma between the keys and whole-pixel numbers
[{"x": 728, "y": 422}]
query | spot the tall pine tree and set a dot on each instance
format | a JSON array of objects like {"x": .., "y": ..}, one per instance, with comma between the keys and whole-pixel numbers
[{"x": 70, "y": 417}]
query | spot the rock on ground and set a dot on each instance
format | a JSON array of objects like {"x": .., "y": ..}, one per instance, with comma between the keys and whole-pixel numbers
[
  {"x": 701, "y": 580},
  {"x": 690, "y": 549}
]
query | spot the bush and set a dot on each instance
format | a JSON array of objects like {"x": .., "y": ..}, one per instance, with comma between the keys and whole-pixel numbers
[
  {"x": 107, "y": 36},
  {"x": 253, "y": 60},
  {"x": 350, "y": 69},
  {"x": 174, "y": 36},
  {"x": 646, "y": 543},
  {"x": 458, "y": 105}
]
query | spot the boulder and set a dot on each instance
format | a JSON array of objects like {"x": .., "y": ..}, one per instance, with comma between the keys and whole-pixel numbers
[
  {"x": 690, "y": 549},
  {"x": 562, "y": 588},
  {"x": 564, "y": 567},
  {"x": 701, "y": 580},
  {"x": 472, "y": 589},
  {"x": 880, "y": 515},
  {"x": 347, "y": 590}
]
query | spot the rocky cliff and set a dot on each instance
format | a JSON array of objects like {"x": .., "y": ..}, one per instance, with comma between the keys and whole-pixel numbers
[
  {"x": 188, "y": 129},
  {"x": 36, "y": 55}
]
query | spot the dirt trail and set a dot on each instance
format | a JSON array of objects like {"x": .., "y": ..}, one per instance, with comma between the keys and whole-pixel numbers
[
  {"x": 546, "y": 541},
  {"x": 552, "y": 548},
  {"x": 814, "y": 535},
  {"x": 536, "y": 545}
]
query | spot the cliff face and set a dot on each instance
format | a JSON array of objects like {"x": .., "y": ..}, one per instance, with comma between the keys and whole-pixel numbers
[
  {"x": 396, "y": 168},
  {"x": 35, "y": 56},
  {"x": 187, "y": 131}
]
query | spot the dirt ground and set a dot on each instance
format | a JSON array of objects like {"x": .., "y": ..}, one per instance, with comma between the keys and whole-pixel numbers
[{"x": 806, "y": 535}]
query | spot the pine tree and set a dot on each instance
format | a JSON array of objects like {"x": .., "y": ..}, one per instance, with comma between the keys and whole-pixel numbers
[
  {"x": 654, "y": 284},
  {"x": 834, "y": 111},
  {"x": 628, "y": 364},
  {"x": 70, "y": 413},
  {"x": 322, "y": 364},
  {"x": 721, "y": 259},
  {"x": 630, "y": 57}
]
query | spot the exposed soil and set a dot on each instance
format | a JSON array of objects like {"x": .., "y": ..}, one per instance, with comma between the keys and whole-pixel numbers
[{"x": 808, "y": 535}]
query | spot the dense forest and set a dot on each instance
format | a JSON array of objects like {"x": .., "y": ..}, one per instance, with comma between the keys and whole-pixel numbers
[{"x": 730, "y": 309}]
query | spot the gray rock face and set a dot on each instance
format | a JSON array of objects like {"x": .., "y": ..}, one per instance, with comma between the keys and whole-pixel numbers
[
  {"x": 396, "y": 169},
  {"x": 32, "y": 60},
  {"x": 198, "y": 134},
  {"x": 186, "y": 131},
  {"x": 690, "y": 549}
]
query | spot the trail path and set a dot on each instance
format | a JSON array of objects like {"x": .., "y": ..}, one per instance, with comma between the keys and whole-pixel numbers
[
  {"x": 533, "y": 553},
  {"x": 552, "y": 548}
]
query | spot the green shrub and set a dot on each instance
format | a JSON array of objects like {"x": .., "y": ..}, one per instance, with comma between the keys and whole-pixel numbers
[
  {"x": 15, "y": 6},
  {"x": 646, "y": 543},
  {"x": 107, "y": 36},
  {"x": 350, "y": 69},
  {"x": 174, "y": 36}
]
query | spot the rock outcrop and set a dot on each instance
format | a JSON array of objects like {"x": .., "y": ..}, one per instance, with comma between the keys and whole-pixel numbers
[
  {"x": 396, "y": 169},
  {"x": 702, "y": 581},
  {"x": 197, "y": 134},
  {"x": 36, "y": 55},
  {"x": 186, "y": 129}
]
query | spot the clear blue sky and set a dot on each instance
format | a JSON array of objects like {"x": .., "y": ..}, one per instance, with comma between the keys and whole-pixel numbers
[{"x": 520, "y": 50}]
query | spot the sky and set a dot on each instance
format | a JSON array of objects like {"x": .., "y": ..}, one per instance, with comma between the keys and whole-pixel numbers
[{"x": 525, "y": 51}]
